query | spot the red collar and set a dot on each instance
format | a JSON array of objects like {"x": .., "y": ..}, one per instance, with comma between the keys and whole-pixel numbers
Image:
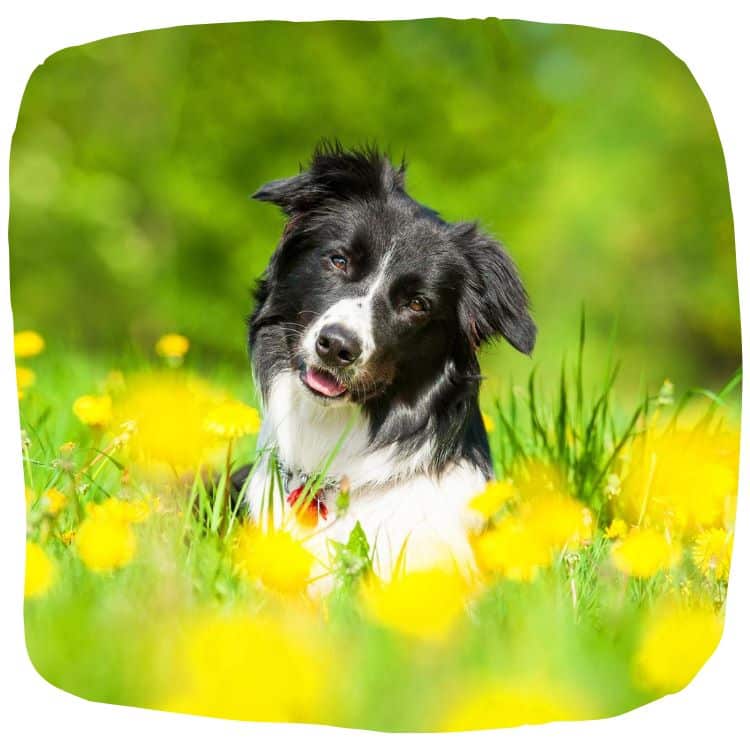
[{"x": 309, "y": 511}]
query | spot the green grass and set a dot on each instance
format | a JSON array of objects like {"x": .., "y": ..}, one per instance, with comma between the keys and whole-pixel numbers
[{"x": 114, "y": 637}]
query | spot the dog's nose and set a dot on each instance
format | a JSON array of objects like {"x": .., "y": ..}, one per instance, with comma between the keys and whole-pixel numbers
[{"x": 337, "y": 347}]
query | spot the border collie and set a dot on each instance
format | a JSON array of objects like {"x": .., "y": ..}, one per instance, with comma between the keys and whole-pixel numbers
[{"x": 364, "y": 342}]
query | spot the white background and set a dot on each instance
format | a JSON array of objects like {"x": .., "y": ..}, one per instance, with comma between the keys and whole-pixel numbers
[{"x": 713, "y": 39}]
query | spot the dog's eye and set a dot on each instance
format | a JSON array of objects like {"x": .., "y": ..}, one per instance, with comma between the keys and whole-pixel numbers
[
  {"x": 339, "y": 262},
  {"x": 417, "y": 304}
]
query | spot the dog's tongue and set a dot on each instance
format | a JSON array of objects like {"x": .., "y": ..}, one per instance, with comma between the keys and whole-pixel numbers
[{"x": 324, "y": 383}]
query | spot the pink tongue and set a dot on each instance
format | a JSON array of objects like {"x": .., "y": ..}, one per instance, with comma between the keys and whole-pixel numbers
[{"x": 324, "y": 383}]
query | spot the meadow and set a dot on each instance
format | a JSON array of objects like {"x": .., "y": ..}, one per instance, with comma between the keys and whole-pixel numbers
[{"x": 602, "y": 560}]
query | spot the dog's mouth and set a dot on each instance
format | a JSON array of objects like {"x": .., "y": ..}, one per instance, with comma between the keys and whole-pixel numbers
[{"x": 322, "y": 383}]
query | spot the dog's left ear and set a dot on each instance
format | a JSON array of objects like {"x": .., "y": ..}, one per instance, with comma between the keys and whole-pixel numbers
[
  {"x": 291, "y": 194},
  {"x": 493, "y": 302}
]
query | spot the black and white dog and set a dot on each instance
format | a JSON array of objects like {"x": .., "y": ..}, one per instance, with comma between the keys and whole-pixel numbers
[{"x": 367, "y": 324}]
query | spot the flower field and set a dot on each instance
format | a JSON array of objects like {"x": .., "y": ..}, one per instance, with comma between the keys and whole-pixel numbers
[{"x": 603, "y": 552}]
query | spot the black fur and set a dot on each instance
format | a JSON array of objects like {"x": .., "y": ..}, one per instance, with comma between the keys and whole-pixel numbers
[{"x": 423, "y": 381}]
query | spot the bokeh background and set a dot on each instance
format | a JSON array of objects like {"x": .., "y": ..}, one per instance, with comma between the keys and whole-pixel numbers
[{"x": 592, "y": 154}]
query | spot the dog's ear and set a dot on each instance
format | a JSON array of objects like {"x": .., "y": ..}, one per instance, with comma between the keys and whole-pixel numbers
[
  {"x": 493, "y": 301},
  {"x": 334, "y": 174},
  {"x": 291, "y": 194}
]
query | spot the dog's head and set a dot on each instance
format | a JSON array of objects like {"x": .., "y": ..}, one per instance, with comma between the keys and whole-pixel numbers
[{"x": 370, "y": 292}]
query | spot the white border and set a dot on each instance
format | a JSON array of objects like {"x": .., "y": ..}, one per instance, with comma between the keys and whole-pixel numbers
[{"x": 714, "y": 41}]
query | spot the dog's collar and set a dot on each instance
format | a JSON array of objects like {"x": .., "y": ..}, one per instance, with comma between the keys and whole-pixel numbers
[{"x": 312, "y": 509}]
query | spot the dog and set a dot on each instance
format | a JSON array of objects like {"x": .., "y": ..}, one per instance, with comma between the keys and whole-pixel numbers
[{"x": 363, "y": 343}]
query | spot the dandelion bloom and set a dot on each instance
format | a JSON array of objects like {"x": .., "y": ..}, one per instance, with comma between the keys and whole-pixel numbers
[
  {"x": 40, "y": 571},
  {"x": 275, "y": 558},
  {"x": 712, "y": 552},
  {"x": 562, "y": 522},
  {"x": 54, "y": 500},
  {"x": 243, "y": 667},
  {"x": 493, "y": 498},
  {"x": 676, "y": 643},
  {"x": 123, "y": 511},
  {"x": 513, "y": 704},
  {"x": 232, "y": 420},
  {"x": 645, "y": 552},
  {"x": 423, "y": 604},
  {"x": 172, "y": 346},
  {"x": 25, "y": 378},
  {"x": 94, "y": 411},
  {"x": 105, "y": 544},
  {"x": 27, "y": 344},
  {"x": 513, "y": 549},
  {"x": 167, "y": 412},
  {"x": 488, "y": 422},
  {"x": 617, "y": 529},
  {"x": 684, "y": 480}
]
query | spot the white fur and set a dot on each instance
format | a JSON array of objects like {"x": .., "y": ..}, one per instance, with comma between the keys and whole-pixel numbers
[{"x": 399, "y": 505}]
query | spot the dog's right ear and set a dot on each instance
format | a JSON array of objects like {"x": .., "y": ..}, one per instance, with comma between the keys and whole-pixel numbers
[{"x": 292, "y": 195}]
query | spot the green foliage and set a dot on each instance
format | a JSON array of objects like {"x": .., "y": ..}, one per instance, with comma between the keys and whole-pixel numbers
[{"x": 591, "y": 153}]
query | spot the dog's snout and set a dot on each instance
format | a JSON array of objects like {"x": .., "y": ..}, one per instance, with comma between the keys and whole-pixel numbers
[{"x": 337, "y": 347}]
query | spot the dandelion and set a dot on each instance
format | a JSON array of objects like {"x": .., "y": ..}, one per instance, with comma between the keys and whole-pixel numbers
[
  {"x": 684, "y": 480},
  {"x": 105, "y": 544},
  {"x": 172, "y": 346},
  {"x": 493, "y": 498},
  {"x": 276, "y": 559},
  {"x": 27, "y": 344},
  {"x": 617, "y": 529},
  {"x": 513, "y": 550},
  {"x": 676, "y": 642},
  {"x": 642, "y": 553},
  {"x": 513, "y": 704},
  {"x": 422, "y": 604},
  {"x": 560, "y": 521},
  {"x": 242, "y": 667},
  {"x": 167, "y": 414},
  {"x": 488, "y": 422},
  {"x": 40, "y": 571},
  {"x": 94, "y": 411},
  {"x": 712, "y": 553},
  {"x": 54, "y": 500},
  {"x": 25, "y": 378},
  {"x": 232, "y": 420},
  {"x": 121, "y": 511}
]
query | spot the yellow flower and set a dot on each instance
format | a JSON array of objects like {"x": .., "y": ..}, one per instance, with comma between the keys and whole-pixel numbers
[
  {"x": 676, "y": 643},
  {"x": 27, "y": 344},
  {"x": 172, "y": 346},
  {"x": 684, "y": 480},
  {"x": 645, "y": 552},
  {"x": 25, "y": 378},
  {"x": 423, "y": 604},
  {"x": 513, "y": 549},
  {"x": 123, "y": 511},
  {"x": 617, "y": 529},
  {"x": 493, "y": 498},
  {"x": 167, "y": 412},
  {"x": 489, "y": 423},
  {"x": 233, "y": 419},
  {"x": 275, "y": 558},
  {"x": 242, "y": 667},
  {"x": 515, "y": 703},
  {"x": 40, "y": 571},
  {"x": 105, "y": 544},
  {"x": 94, "y": 411},
  {"x": 712, "y": 552},
  {"x": 559, "y": 521},
  {"x": 67, "y": 537},
  {"x": 54, "y": 500}
]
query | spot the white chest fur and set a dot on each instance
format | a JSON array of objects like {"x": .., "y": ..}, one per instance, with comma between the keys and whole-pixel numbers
[{"x": 405, "y": 512}]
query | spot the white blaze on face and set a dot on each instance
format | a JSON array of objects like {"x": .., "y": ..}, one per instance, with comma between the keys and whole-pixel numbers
[{"x": 352, "y": 313}]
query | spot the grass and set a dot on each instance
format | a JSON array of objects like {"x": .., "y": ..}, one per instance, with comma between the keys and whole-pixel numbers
[{"x": 203, "y": 616}]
